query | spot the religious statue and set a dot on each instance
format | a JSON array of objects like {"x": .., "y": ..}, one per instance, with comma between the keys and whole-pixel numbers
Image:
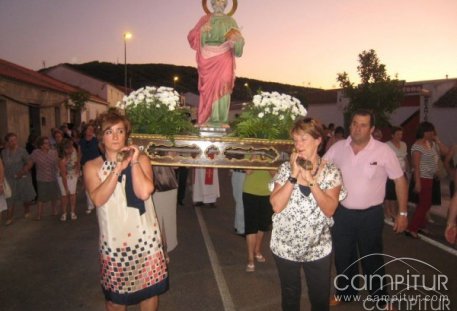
[{"x": 217, "y": 40}]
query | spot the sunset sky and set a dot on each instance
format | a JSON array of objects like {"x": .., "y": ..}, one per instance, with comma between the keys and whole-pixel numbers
[{"x": 301, "y": 42}]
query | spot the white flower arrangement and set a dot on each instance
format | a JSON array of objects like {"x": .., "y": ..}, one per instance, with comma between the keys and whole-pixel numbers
[
  {"x": 153, "y": 110},
  {"x": 269, "y": 115},
  {"x": 275, "y": 103},
  {"x": 162, "y": 96}
]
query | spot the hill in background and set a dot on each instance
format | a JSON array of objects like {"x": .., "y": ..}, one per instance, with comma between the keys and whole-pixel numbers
[{"x": 140, "y": 75}]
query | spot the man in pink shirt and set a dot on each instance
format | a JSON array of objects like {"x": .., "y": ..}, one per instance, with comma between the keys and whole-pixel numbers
[{"x": 365, "y": 164}]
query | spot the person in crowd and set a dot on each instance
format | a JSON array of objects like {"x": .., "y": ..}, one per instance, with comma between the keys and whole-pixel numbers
[
  {"x": 45, "y": 160},
  {"x": 237, "y": 180},
  {"x": 2, "y": 145},
  {"x": 450, "y": 233},
  {"x": 205, "y": 190},
  {"x": 165, "y": 203},
  {"x": 425, "y": 154},
  {"x": 120, "y": 184},
  {"x": 57, "y": 137},
  {"x": 257, "y": 213},
  {"x": 337, "y": 136},
  {"x": 304, "y": 198},
  {"x": 330, "y": 130},
  {"x": 377, "y": 134},
  {"x": 65, "y": 130},
  {"x": 68, "y": 177},
  {"x": 182, "y": 173},
  {"x": 3, "y": 205},
  {"x": 30, "y": 146},
  {"x": 217, "y": 40},
  {"x": 88, "y": 146},
  {"x": 14, "y": 159},
  {"x": 365, "y": 164},
  {"x": 450, "y": 163},
  {"x": 76, "y": 137},
  {"x": 400, "y": 149}
]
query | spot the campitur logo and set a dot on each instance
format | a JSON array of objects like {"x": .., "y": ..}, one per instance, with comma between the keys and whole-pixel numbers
[{"x": 419, "y": 286}]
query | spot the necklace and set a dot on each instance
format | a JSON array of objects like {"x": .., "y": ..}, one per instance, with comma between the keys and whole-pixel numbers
[{"x": 317, "y": 167}]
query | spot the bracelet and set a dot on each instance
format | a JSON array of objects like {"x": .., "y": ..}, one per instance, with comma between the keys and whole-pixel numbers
[
  {"x": 134, "y": 162},
  {"x": 116, "y": 173},
  {"x": 292, "y": 180},
  {"x": 405, "y": 214}
]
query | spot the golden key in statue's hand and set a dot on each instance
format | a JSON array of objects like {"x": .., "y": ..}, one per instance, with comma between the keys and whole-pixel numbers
[{"x": 306, "y": 164}]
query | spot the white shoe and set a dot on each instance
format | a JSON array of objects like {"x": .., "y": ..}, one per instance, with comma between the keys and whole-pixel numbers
[
  {"x": 73, "y": 216},
  {"x": 63, "y": 217},
  {"x": 88, "y": 211}
]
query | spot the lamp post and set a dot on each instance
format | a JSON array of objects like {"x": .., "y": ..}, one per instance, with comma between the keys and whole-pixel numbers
[
  {"x": 127, "y": 35},
  {"x": 248, "y": 89},
  {"x": 175, "y": 80}
]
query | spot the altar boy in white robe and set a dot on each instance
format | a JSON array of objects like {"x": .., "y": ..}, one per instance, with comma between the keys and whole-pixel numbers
[{"x": 205, "y": 190}]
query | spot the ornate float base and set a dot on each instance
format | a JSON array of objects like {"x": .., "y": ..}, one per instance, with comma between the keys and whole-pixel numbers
[{"x": 214, "y": 151}]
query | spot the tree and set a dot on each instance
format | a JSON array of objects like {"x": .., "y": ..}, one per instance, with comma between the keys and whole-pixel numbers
[
  {"x": 376, "y": 92},
  {"x": 77, "y": 102}
]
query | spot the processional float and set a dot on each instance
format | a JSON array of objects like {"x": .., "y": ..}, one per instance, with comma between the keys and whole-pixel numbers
[{"x": 216, "y": 39}]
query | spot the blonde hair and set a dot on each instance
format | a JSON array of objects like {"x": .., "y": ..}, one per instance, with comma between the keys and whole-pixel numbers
[{"x": 308, "y": 126}]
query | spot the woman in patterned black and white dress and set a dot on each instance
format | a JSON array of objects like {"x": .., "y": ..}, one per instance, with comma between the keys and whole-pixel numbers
[
  {"x": 133, "y": 267},
  {"x": 304, "y": 201}
]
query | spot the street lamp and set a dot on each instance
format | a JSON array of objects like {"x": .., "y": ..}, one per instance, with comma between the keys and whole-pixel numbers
[
  {"x": 248, "y": 89},
  {"x": 127, "y": 36},
  {"x": 175, "y": 80}
]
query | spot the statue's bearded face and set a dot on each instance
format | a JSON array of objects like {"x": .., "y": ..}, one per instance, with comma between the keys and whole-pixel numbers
[{"x": 219, "y": 5}]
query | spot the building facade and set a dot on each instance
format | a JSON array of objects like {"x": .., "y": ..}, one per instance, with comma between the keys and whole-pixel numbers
[
  {"x": 422, "y": 102},
  {"x": 31, "y": 102},
  {"x": 102, "y": 89}
]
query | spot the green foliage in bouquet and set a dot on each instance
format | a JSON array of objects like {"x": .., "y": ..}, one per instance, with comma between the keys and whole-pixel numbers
[
  {"x": 268, "y": 116},
  {"x": 154, "y": 110}
]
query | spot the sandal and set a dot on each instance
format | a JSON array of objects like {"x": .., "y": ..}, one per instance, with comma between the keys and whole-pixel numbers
[
  {"x": 260, "y": 258},
  {"x": 411, "y": 234},
  {"x": 250, "y": 267}
]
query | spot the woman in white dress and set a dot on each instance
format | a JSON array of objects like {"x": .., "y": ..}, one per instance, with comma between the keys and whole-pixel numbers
[
  {"x": 67, "y": 177},
  {"x": 120, "y": 184}
]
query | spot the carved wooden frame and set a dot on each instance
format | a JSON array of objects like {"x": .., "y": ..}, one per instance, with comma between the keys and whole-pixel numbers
[{"x": 220, "y": 152}]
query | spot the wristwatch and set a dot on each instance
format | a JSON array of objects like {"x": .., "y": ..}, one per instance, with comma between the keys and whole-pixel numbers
[
  {"x": 292, "y": 180},
  {"x": 405, "y": 214}
]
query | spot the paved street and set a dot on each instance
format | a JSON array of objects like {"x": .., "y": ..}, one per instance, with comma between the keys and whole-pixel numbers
[{"x": 49, "y": 265}]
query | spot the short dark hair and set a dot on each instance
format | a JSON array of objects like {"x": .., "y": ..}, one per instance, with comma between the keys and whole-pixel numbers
[
  {"x": 9, "y": 135},
  {"x": 40, "y": 141},
  {"x": 339, "y": 130},
  {"x": 108, "y": 119},
  {"x": 424, "y": 127},
  {"x": 395, "y": 129},
  {"x": 365, "y": 112}
]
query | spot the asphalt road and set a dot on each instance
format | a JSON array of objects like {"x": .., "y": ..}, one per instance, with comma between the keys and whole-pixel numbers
[{"x": 49, "y": 265}]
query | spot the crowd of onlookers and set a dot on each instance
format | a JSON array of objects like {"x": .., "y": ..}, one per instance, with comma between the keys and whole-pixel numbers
[{"x": 46, "y": 171}]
